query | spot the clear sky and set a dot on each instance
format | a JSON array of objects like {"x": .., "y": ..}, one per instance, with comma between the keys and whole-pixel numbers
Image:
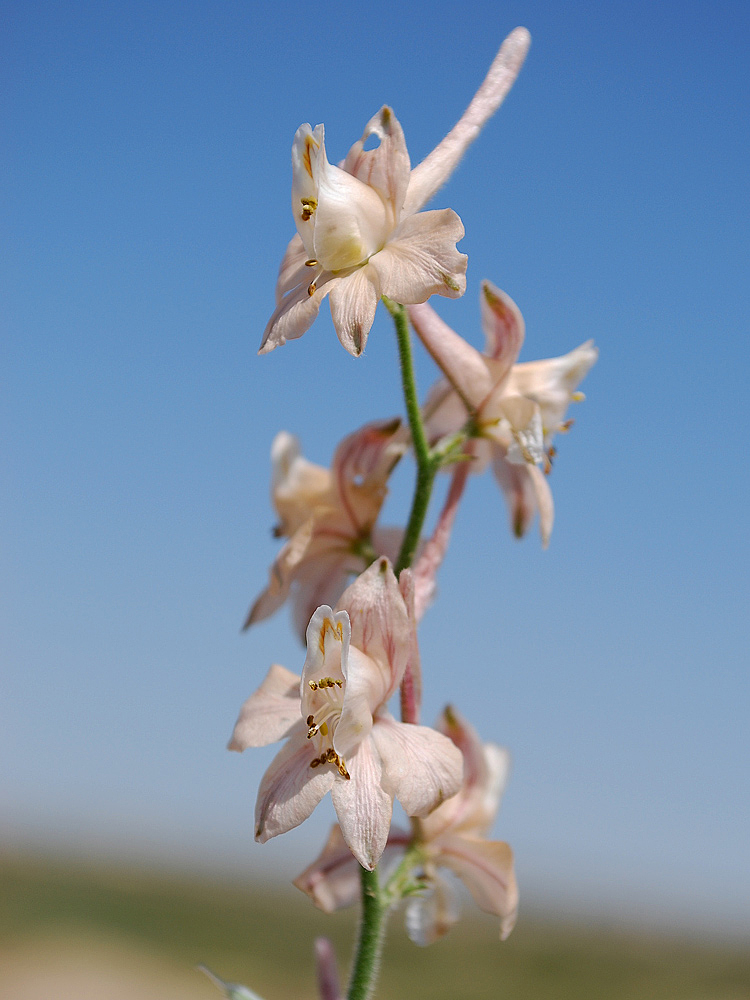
[{"x": 146, "y": 179}]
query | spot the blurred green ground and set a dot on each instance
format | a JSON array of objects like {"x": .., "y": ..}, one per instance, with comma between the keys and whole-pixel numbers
[{"x": 162, "y": 925}]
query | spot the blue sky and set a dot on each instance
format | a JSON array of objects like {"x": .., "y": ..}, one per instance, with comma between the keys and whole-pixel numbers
[{"x": 147, "y": 170}]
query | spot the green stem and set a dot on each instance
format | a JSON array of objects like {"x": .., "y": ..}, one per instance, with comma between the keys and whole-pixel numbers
[
  {"x": 376, "y": 902},
  {"x": 371, "y": 935},
  {"x": 427, "y": 464}
]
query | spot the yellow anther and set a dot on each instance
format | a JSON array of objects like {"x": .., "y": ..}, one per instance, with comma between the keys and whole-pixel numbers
[
  {"x": 577, "y": 397},
  {"x": 308, "y": 207},
  {"x": 311, "y": 263},
  {"x": 566, "y": 425},
  {"x": 312, "y": 287}
]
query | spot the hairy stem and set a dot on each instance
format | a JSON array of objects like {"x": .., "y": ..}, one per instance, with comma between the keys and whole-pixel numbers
[
  {"x": 427, "y": 465},
  {"x": 371, "y": 934}
]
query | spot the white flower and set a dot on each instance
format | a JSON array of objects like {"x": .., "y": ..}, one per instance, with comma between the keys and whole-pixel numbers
[
  {"x": 339, "y": 734},
  {"x": 360, "y": 231},
  {"x": 516, "y": 409}
]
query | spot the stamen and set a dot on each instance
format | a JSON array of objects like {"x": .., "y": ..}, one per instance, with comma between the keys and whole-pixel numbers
[
  {"x": 577, "y": 397},
  {"x": 566, "y": 425},
  {"x": 308, "y": 207},
  {"x": 325, "y": 682},
  {"x": 311, "y": 263}
]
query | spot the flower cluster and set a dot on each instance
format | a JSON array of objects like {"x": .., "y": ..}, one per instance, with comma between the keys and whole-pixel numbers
[{"x": 358, "y": 590}]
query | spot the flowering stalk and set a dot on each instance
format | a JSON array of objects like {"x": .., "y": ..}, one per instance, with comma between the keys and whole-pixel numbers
[
  {"x": 427, "y": 463},
  {"x": 376, "y": 903}
]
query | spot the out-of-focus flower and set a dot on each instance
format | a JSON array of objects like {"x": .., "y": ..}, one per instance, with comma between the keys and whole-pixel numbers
[
  {"x": 328, "y": 974},
  {"x": 451, "y": 837},
  {"x": 339, "y": 734},
  {"x": 328, "y": 518},
  {"x": 514, "y": 409},
  {"x": 233, "y": 991},
  {"x": 360, "y": 232}
]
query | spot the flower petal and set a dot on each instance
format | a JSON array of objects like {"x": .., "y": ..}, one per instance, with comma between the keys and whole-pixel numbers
[
  {"x": 332, "y": 880},
  {"x": 281, "y": 575},
  {"x": 387, "y": 167},
  {"x": 290, "y": 788},
  {"x": 308, "y": 149},
  {"x": 271, "y": 713},
  {"x": 320, "y": 580},
  {"x": 292, "y": 270},
  {"x": 363, "y": 806},
  {"x": 361, "y": 466},
  {"x": 422, "y": 767},
  {"x": 420, "y": 259},
  {"x": 295, "y": 313},
  {"x": 544, "y": 502},
  {"x": 463, "y": 365},
  {"x": 551, "y": 383},
  {"x": 486, "y": 869},
  {"x": 433, "y": 553},
  {"x": 353, "y": 302},
  {"x": 430, "y": 915},
  {"x": 526, "y": 490},
  {"x": 435, "y": 169},
  {"x": 380, "y": 623},
  {"x": 503, "y": 325},
  {"x": 525, "y": 420},
  {"x": 411, "y": 685},
  {"x": 327, "y": 639},
  {"x": 340, "y": 219},
  {"x": 486, "y": 768}
]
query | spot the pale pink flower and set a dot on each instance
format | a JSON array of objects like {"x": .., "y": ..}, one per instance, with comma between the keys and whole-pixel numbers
[
  {"x": 328, "y": 518},
  {"x": 515, "y": 409},
  {"x": 360, "y": 231},
  {"x": 451, "y": 837},
  {"x": 339, "y": 734}
]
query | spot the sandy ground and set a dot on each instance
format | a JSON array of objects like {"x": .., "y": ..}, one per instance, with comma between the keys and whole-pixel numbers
[{"x": 72, "y": 969}]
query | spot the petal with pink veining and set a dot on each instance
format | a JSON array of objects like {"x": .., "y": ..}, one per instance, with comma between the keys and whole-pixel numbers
[
  {"x": 361, "y": 466},
  {"x": 422, "y": 766},
  {"x": 380, "y": 623},
  {"x": 503, "y": 325},
  {"x": 354, "y": 299},
  {"x": 271, "y": 713},
  {"x": 387, "y": 167},
  {"x": 519, "y": 491},
  {"x": 332, "y": 880},
  {"x": 420, "y": 259},
  {"x": 463, "y": 365},
  {"x": 282, "y": 572},
  {"x": 290, "y": 788},
  {"x": 364, "y": 806},
  {"x": 486, "y": 869},
  {"x": 295, "y": 313},
  {"x": 292, "y": 270}
]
